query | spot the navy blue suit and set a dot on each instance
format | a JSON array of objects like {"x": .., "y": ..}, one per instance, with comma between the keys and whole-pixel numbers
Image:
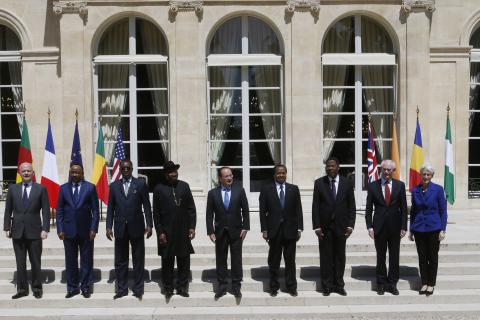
[
  {"x": 125, "y": 214},
  {"x": 76, "y": 220}
]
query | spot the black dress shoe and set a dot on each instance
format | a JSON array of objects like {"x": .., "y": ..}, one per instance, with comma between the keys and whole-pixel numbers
[
  {"x": 19, "y": 295},
  {"x": 429, "y": 293},
  {"x": 168, "y": 294},
  {"x": 220, "y": 294},
  {"x": 38, "y": 294},
  {"x": 237, "y": 293},
  {"x": 421, "y": 291},
  {"x": 326, "y": 292},
  {"x": 393, "y": 290},
  {"x": 119, "y": 295},
  {"x": 183, "y": 293},
  {"x": 293, "y": 292},
  {"x": 341, "y": 291},
  {"x": 72, "y": 294},
  {"x": 137, "y": 295},
  {"x": 273, "y": 293},
  {"x": 380, "y": 289},
  {"x": 86, "y": 294}
]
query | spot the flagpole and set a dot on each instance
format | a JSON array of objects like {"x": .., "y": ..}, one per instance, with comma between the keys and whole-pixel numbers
[
  {"x": 101, "y": 202},
  {"x": 53, "y": 211}
]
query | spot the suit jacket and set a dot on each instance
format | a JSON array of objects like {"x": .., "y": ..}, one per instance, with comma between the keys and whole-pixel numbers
[
  {"x": 339, "y": 211},
  {"x": 395, "y": 214},
  {"x": 77, "y": 220},
  {"x": 234, "y": 219},
  {"x": 125, "y": 212},
  {"x": 26, "y": 222},
  {"x": 429, "y": 209},
  {"x": 272, "y": 215},
  {"x": 173, "y": 220}
]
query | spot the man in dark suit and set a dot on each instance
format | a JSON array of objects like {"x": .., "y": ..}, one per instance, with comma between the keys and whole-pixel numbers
[
  {"x": 77, "y": 226},
  {"x": 23, "y": 223},
  {"x": 386, "y": 198},
  {"x": 228, "y": 220},
  {"x": 281, "y": 221},
  {"x": 175, "y": 219},
  {"x": 333, "y": 219},
  {"x": 127, "y": 197}
]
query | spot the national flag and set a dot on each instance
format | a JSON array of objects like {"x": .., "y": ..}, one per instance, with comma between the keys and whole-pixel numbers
[
  {"x": 449, "y": 176},
  {"x": 417, "y": 159},
  {"x": 50, "y": 172},
  {"x": 76, "y": 156},
  {"x": 395, "y": 154},
  {"x": 24, "y": 152},
  {"x": 371, "y": 156},
  {"x": 99, "y": 177},
  {"x": 119, "y": 156}
]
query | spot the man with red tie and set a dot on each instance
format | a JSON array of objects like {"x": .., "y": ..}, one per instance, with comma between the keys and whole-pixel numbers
[{"x": 386, "y": 198}]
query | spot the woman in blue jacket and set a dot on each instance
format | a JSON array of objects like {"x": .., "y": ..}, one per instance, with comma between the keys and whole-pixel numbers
[{"x": 428, "y": 221}]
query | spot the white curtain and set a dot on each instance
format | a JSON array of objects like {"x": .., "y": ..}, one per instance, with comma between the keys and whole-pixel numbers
[
  {"x": 474, "y": 92},
  {"x": 115, "y": 41},
  {"x": 15, "y": 70}
]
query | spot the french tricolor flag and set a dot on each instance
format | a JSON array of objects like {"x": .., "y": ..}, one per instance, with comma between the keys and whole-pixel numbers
[{"x": 50, "y": 171}]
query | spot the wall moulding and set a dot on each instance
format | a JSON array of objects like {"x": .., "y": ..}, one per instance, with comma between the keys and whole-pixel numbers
[
  {"x": 303, "y": 5},
  {"x": 70, "y": 6},
  {"x": 186, "y": 5},
  {"x": 418, "y": 5}
]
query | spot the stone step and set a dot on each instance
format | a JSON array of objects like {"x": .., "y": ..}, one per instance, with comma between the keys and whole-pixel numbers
[
  {"x": 262, "y": 284},
  {"x": 206, "y": 299}
]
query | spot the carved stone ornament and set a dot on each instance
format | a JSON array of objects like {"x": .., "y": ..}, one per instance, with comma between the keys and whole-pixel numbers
[
  {"x": 312, "y": 5},
  {"x": 186, "y": 5},
  {"x": 409, "y": 5},
  {"x": 70, "y": 6}
]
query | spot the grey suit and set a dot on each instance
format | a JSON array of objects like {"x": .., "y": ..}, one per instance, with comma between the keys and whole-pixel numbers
[{"x": 25, "y": 226}]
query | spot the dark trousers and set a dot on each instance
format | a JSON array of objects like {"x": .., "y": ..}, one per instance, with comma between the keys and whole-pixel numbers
[
  {"x": 222, "y": 243},
  {"x": 121, "y": 263},
  {"x": 74, "y": 277},
  {"x": 183, "y": 270},
  {"x": 279, "y": 244},
  {"x": 388, "y": 238},
  {"x": 427, "y": 248},
  {"x": 34, "y": 249},
  {"x": 332, "y": 259}
]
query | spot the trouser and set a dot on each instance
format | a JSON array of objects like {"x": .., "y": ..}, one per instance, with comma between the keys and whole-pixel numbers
[
  {"x": 34, "y": 249},
  {"x": 388, "y": 239},
  {"x": 279, "y": 244},
  {"x": 332, "y": 259},
  {"x": 183, "y": 270},
  {"x": 72, "y": 246},
  {"x": 427, "y": 249},
  {"x": 222, "y": 243},
  {"x": 121, "y": 263}
]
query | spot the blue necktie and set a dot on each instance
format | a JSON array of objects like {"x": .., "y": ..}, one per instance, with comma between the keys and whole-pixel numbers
[
  {"x": 334, "y": 190},
  {"x": 75, "y": 193},
  {"x": 282, "y": 196},
  {"x": 226, "y": 199},
  {"x": 25, "y": 196}
]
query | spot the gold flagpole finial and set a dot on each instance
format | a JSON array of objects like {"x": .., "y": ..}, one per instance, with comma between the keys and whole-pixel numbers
[
  {"x": 395, "y": 116},
  {"x": 49, "y": 113},
  {"x": 448, "y": 108},
  {"x": 76, "y": 114}
]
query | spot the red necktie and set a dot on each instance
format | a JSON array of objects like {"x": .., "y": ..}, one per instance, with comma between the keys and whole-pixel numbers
[{"x": 387, "y": 193}]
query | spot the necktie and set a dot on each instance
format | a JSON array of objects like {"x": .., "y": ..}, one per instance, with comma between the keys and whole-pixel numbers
[
  {"x": 25, "y": 196},
  {"x": 125, "y": 187},
  {"x": 282, "y": 196},
  {"x": 387, "y": 193},
  {"x": 226, "y": 198},
  {"x": 75, "y": 193},
  {"x": 333, "y": 189}
]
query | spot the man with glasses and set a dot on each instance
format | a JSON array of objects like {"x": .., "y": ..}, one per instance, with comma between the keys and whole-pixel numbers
[
  {"x": 127, "y": 197},
  {"x": 386, "y": 199}
]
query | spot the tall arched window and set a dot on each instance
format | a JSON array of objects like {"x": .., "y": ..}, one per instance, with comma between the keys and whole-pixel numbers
[
  {"x": 359, "y": 77},
  {"x": 11, "y": 102},
  {"x": 245, "y": 95},
  {"x": 131, "y": 92},
  {"x": 474, "y": 127}
]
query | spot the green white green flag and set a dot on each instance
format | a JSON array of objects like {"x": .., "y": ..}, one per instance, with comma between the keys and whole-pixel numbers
[{"x": 449, "y": 177}]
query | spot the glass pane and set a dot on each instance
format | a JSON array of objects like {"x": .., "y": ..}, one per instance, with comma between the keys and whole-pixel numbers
[
  {"x": 225, "y": 101},
  {"x": 224, "y": 77},
  {"x": 152, "y": 102},
  {"x": 474, "y": 124},
  {"x": 152, "y": 76},
  {"x": 109, "y": 153},
  {"x": 338, "y": 126},
  {"x": 382, "y": 126},
  {"x": 475, "y": 39},
  {"x": 113, "y": 102},
  {"x": 10, "y": 127},
  {"x": 152, "y": 177},
  {"x": 474, "y": 182},
  {"x": 11, "y": 99},
  {"x": 112, "y": 76},
  {"x": 10, "y": 73},
  {"x": 339, "y": 100},
  {"x": 340, "y": 37},
  {"x": 348, "y": 172},
  {"x": 228, "y": 38},
  {"x": 338, "y": 75},
  {"x": 264, "y": 76},
  {"x": 374, "y": 37},
  {"x": 383, "y": 150},
  {"x": 149, "y": 39},
  {"x": 265, "y": 101},
  {"x": 474, "y": 103},
  {"x": 266, "y": 127},
  {"x": 110, "y": 128},
  {"x": 237, "y": 176},
  {"x": 9, "y": 177},
  {"x": 9, "y": 41},
  {"x": 10, "y": 153},
  {"x": 225, "y": 128},
  {"x": 260, "y": 177},
  {"x": 152, "y": 128},
  {"x": 265, "y": 153},
  {"x": 115, "y": 39},
  {"x": 378, "y": 100},
  {"x": 473, "y": 154},
  {"x": 343, "y": 150},
  {"x": 226, "y": 153},
  {"x": 377, "y": 75},
  {"x": 261, "y": 38},
  {"x": 152, "y": 154}
]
